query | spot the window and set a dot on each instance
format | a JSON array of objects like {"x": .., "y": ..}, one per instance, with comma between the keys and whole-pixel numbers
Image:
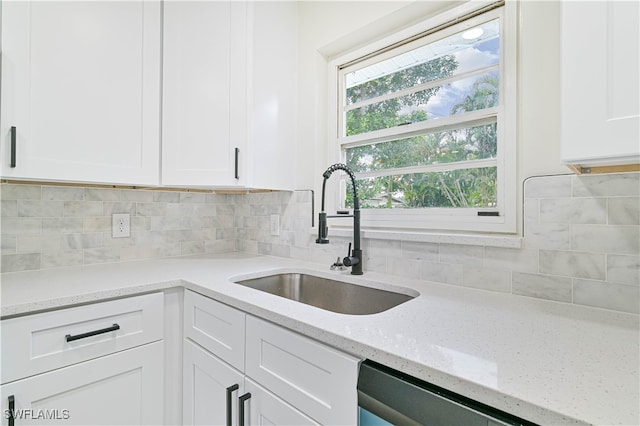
[{"x": 428, "y": 127}]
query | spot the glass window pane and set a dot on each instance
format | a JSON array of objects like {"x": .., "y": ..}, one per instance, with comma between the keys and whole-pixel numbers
[
  {"x": 464, "y": 144},
  {"x": 467, "y": 50},
  {"x": 455, "y": 188},
  {"x": 464, "y": 95}
]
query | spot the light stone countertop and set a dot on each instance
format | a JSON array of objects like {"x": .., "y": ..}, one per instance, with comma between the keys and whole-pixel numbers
[{"x": 547, "y": 362}]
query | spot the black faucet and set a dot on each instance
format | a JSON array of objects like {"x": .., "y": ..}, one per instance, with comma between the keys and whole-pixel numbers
[{"x": 354, "y": 258}]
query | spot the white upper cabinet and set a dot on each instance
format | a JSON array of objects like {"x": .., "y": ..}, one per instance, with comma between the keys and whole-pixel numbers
[
  {"x": 204, "y": 93},
  {"x": 600, "y": 83},
  {"x": 229, "y": 94},
  {"x": 272, "y": 95},
  {"x": 81, "y": 87}
]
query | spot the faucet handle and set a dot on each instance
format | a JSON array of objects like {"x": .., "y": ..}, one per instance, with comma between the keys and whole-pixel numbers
[{"x": 338, "y": 265}]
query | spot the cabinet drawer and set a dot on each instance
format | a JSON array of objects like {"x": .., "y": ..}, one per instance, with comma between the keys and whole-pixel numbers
[
  {"x": 316, "y": 379},
  {"x": 36, "y": 343},
  {"x": 216, "y": 327},
  {"x": 124, "y": 388}
]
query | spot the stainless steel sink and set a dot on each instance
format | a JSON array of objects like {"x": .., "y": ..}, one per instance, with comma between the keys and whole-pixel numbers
[{"x": 328, "y": 294}]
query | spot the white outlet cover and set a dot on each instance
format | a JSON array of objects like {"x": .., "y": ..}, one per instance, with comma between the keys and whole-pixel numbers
[
  {"x": 275, "y": 224},
  {"x": 120, "y": 225}
]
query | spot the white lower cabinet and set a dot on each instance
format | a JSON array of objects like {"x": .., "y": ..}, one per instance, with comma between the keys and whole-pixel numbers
[
  {"x": 208, "y": 383},
  {"x": 120, "y": 389},
  {"x": 264, "y": 408},
  {"x": 95, "y": 364},
  {"x": 284, "y": 378}
]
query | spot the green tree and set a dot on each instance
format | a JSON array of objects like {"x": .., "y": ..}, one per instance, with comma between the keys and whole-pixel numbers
[{"x": 457, "y": 188}]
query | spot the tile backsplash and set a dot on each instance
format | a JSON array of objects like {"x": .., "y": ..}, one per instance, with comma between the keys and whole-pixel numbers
[
  {"x": 581, "y": 236},
  {"x": 51, "y": 226}
]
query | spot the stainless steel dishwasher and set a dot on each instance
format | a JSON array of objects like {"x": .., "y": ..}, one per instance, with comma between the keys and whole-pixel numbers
[{"x": 389, "y": 397}]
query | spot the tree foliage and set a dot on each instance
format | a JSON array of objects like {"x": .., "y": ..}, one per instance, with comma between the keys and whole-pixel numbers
[{"x": 456, "y": 188}]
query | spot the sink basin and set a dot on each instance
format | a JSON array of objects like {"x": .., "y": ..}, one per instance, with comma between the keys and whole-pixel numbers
[{"x": 328, "y": 294}]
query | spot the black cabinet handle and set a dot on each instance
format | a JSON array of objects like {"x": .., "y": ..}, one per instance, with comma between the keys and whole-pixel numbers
[
  {"x": 237, "y": 174},
  {"x": 243, "y": 398},
  {"x": 230, "y": 391},
  {"x": 71, "y": 338},
  {"x": 13, "y": 147},
  {"x": 12, "y": 408}
]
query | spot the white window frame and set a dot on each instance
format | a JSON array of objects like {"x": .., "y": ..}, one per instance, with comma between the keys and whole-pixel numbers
[{"x": 441, "y": 219}]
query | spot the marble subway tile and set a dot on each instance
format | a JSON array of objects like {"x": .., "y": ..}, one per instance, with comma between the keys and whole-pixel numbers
[
  {"x": 486, "y": 279},
  {"x": 611, "y": 239},
  {"x": 32, "y": 208},
  {"x": 466, "y": 255},
  {"x": 547, "y": 236},
  {"x": 542, "y": 286},
  {"x": 151, "y": 209},
  {"x": 193, "y": 197},
  {"x": 111, "y": 207},
  {"x": 82, "y": 241},
  {"x": 573, "y": 210},
  {"x": 61, "y": 193},
  {"x": 623, "y": 269},
  {"x": 62, "y": 225},
  {"x": 220, "y": 246},
  {"x": 166, "y": 196},
  {"x": 211, "y": 209},
  {"x": 39, "y": 243},
  {"x": 403, "y": 267},
  {"x": 522, "y": 260},
  {"x": 572, "y": 264},
  {"x": 102, "y": 194},
  {"x": 9, "y": 208},
  {"x": 599, "y": 294},
  {"x": 624, "y": 211},
  {"x": 548, "y": 187},
  {"x": 82, "y": 208},
  {"x": 137, "y": 196},
  {"x": 191, "y": 247},
  {"x": 20, "y": 262},
  {"x": 382, "y": 248},
  {"x": 97, "y": 224},
  {"x": 20, "y": 192},
  {"x": 9, "y": 244},
  {"x": 58, "y": 259},
  {"x": 178, "y": 209},
  {"x": 22, "y": 225},
  {"x": 101, "y": 255},
  {"x": 442, "y": 272},
  {"x": 607, "y": 185},
  {"x": 420, "y": 251}
]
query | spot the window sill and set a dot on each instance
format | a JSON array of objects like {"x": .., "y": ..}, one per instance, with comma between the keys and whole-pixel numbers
[{"x": 428, "y": 237}]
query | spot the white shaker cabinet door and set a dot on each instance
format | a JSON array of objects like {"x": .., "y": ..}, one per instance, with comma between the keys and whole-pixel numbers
[
  {"x": 81, "y": 91},
  {"x": 207, "y": 384},
  {"x": 120, "y": 389},
  {"x": 600, "y": 84},
  {"x": 204, "y": 93}
]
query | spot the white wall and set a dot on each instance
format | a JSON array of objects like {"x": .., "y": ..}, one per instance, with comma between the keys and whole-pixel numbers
[{"x": 329, "y": 29}]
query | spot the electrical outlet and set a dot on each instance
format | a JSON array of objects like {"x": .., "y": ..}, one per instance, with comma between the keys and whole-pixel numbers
[
  {"x": 275, "y": 224},
  {"x": 121, "y": 225}
]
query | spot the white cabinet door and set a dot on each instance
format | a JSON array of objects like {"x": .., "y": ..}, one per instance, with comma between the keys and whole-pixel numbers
[
  {"x": 81, "y": 87},
  {"x": 120, "y": 389},
  {"x": 272, "y": 92},
  {"x": 600, "y": 84},
  {"x": 264, "y": 408},
  {"x": 204, "y": 97},
  {"x": 207, "y": 383}
]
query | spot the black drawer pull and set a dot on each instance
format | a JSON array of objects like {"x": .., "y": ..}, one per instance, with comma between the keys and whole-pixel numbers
[
  {"x": 230, "y": 390},
  {"x": 71, "y": 338},
  {"x": 242, "y": 399},
  {"x": 12, "y": 409},
  {"x": 13, "y": 147},
  {"x": 237, "y": 173}
]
